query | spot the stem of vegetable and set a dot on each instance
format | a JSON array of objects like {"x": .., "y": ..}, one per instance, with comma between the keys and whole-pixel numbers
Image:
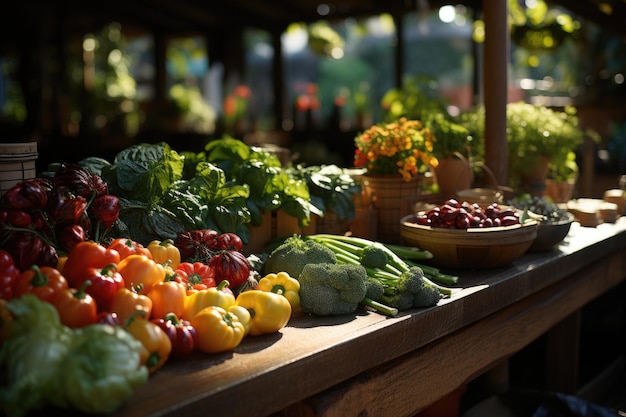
[
  {"x": 381, "y": 308},
  {"x": 409, "y": 252},
  {"x": 435, "y": 274}
]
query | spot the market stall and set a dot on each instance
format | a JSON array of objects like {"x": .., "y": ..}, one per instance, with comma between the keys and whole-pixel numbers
[{"x": 371, "y": 364}]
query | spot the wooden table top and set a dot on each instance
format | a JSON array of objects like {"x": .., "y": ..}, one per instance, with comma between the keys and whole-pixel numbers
[{"x": 268, "y": 373}]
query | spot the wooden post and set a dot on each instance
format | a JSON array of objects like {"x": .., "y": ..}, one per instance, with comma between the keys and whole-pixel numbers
[{"x": 495, "y": 68}]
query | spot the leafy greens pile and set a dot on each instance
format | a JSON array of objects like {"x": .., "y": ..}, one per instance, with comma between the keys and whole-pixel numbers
[{"x": 227, "y": 187}]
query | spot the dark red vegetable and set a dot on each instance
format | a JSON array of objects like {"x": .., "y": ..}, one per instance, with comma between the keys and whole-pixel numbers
[
  {"x": 180, "y": 332},
  {"x": 105, "y": 209},
  {"x": 229, "y": 241},
  {"x": 18, "y": 218},
  {"x": 108, "y": 317},
  {"x": 79, "y": 180},
  {"x": 48, "y": 256},
  {"x": 28, "y": 195},
  {"x": 8, "y": 275},
  {"x": 197, "y": 245},
  {"x": 232, "y": 266},
  {"x": 64, "y": 207},
  {"x": 70, "y": 236},
  {"x": 25, "y": 248}
]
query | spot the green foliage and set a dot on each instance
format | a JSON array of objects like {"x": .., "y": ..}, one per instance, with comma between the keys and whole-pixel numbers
[
  {"x": 271, "y": 186},
  {"x": 330, "y": 188},
  {"x": 161, "y": 196},
  {"x": 450, "y": 137},
  {"x": 92, "y": 369},
  {"x": 536, "y": 131},
  {"x": 417, "y": 99}
]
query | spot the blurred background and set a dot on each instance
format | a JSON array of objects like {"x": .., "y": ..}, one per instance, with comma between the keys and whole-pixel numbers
[{"x": 92, "y": 78}]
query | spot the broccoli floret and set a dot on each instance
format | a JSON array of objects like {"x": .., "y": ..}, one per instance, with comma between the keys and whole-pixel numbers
[
  {"x": 401, "y": 300},
  {"x": 374, "y": 256},
  {"x": 411, "y": 281},
  {"x": 373, "y": 288},
  {"x": 428, "y": 296},
  {"x": 294, "y": 253},
  {"x": 331, "y": 288}
]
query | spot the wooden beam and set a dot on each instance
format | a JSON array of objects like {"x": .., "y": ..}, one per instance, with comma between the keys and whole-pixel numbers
[{"x": 495, "y": 68}]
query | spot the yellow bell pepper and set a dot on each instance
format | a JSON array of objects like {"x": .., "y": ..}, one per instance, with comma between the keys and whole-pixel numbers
[
  {"x": 220, "y": 296},
  {"x": 165, "y": 251},
  {"x": 61, "y": 263},
  {"x": 283, "y": 284},
  {"x": 269, "y": 311},
  {"x": 140, "y": 273},
  {"x": 243, "y": 315},
  {"x": 217, "y": 330}
]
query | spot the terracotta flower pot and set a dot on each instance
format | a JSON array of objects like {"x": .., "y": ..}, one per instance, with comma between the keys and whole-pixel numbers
[{"x": 453, "y": 174}]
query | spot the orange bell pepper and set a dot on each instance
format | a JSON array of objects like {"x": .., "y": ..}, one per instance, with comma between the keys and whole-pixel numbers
[
  {"x": 217, "y": 330},
  {"x": 126, "y": 302},
  {"x": 76, "y": 308},
  {"x": 165, "y": 251},
  {"x": 167, "y": 296},
  {"x": 44, "y": 282},
  {"x": 127, "y": 247},
  {"x": 156, "y": 344},
  {"x": 84, "y": 255},
  {"x": 140, "y": 272},
  {"x": 220, "y": 296}
]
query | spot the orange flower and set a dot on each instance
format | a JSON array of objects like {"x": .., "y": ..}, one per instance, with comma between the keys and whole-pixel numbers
[{"x": 400, "y": 147}]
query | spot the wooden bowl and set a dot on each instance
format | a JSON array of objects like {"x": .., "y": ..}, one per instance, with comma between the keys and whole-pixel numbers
[
  {"x": 551, "y": 234},
  {"x": 470, "y": 248}
]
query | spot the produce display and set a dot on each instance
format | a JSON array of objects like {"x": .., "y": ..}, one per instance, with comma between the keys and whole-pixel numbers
[
  {"x": 98, "y": 264},
  {"x": 464, "y": 215}
]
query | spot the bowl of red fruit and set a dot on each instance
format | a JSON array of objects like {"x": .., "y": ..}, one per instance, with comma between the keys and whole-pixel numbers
[{"x": 470, "y": 235}]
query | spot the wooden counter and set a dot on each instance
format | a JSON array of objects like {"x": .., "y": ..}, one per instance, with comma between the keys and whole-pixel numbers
[{"x": 369, "y": 364}]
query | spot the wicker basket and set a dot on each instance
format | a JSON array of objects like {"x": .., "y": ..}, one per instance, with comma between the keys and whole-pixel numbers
[
  {"x": 470, "y": 248},
  {"x": 17, "y": 163}
]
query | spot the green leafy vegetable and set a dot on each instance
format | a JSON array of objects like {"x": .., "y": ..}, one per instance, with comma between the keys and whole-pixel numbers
[{"x": 92, "y": 369}]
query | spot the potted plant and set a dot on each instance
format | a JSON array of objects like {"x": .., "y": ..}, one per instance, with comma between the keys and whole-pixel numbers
[
  {"x": 537, "y": 137},
  {"x": 452, "y": 148},
  {"x": 395, "y": 155}
]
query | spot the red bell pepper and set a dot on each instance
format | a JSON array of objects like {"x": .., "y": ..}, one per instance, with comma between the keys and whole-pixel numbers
[
  {"x": 105, "y": 282},
  {"x": 85, "y": 255}
]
